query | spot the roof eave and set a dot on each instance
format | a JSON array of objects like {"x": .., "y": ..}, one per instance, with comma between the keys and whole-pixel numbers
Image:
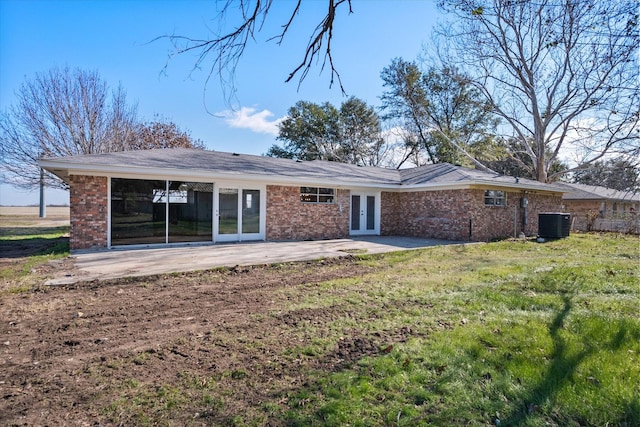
[
  {"x": 483, "y": 183},
  {"x": 64, "y": 169}
]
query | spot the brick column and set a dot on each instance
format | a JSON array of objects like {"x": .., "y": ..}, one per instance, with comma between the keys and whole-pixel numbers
[{"x": 89, "y": 210}]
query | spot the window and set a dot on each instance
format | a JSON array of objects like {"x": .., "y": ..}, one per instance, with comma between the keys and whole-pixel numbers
[
  {"x": 150, "y": 212},
  {"x": 495, "y": 198},
  {"x": 316, "y": 195}
]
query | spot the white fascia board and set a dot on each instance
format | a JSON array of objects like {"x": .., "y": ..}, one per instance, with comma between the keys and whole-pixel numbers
[
  {"x": 548, "y": 188},
  {"x": 431, "y": 187},
  {"x": 462, "y": 185}
]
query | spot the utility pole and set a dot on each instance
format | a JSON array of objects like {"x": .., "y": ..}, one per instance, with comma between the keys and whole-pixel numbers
[{"x": 43, "y": 207}]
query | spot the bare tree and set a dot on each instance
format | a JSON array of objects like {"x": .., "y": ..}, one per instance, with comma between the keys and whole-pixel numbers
[
  {"x": 61, "y": 113},
  {"x": 162, "y": 133},
  {"x": 563, "y": 74},
  {"x": 221, "y": 53}
]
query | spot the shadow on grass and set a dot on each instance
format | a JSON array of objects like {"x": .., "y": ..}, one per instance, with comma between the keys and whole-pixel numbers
[
  {"x": 561, "y": 369},
  {"x": 33, "y": 246}
]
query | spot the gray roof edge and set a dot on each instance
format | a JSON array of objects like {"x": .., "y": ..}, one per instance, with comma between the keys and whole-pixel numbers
[
  {"x": 108, "y": 170},
  {"x": 595, "y": 192},
  {"x": 391, "y": 179}
]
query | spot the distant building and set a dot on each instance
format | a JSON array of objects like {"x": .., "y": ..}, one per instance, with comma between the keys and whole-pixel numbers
[{"x": 596, "y": 208}]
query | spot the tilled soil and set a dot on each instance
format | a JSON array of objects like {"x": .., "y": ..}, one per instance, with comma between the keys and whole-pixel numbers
[{"x": 69, "y": 352}]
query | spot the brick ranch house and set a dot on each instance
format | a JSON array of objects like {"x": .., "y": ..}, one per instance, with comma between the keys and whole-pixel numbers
[{"x": 165, "y": 196}]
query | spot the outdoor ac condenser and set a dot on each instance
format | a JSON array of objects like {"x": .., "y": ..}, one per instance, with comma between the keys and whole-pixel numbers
[{"x": 554, "y": 225}]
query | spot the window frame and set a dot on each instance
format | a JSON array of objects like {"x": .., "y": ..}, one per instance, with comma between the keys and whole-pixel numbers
[
  {"x": 318, "y": 195},
  {"x": 495, "y": 198}
]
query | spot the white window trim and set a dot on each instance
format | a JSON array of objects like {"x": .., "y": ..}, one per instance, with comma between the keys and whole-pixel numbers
[
  {"x": 317, "y": 195},
  {"x": 495, "y": 198}
]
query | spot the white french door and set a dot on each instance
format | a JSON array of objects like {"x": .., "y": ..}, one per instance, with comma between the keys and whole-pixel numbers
[
  {"x": 365, "y": 213},
  {"x": 239, "y": 213}
]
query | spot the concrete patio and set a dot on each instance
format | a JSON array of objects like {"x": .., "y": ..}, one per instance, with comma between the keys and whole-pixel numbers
[{"x": 118, "y": 263}]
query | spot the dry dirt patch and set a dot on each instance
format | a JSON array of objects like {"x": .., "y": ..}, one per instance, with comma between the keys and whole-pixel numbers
[
  {"x": 72, "y": 354},
  {"x": 67, "y": 350}
]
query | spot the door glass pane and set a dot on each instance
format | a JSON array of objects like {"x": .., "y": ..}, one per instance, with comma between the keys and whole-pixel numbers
[
  {"x": 190, "y": 211},
  {"x": 355, "y": 212},
  {"x": 228, "y": 211},
  {"x": 138, "y": 211},
  {"x": 371, "y": 213},
  {"x": 250, "y": 211}
]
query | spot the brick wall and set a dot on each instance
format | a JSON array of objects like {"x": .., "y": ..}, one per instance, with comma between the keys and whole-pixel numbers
[
  {"x": 583, "y": 213},
  {"x": 591, "y": 215},
  {"x": 447, "y": 214},
  {"x": 436, "y": 214},
  {"x": 88, "y": 197},
  {"x": 460, "y": 214},
  {"x": 289, "y": 219}
]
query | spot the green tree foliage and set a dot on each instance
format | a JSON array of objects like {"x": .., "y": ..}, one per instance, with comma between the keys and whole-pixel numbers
[
  {"x": 620, "y": 174},
  {"x": 349, "y": 134},
  {"x": 441, "y": 113}
]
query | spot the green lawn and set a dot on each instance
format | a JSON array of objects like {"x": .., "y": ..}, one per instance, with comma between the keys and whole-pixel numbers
[{"x": 506, "y": 333}]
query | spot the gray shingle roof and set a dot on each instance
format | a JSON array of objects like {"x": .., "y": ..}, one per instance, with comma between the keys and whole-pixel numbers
[
  {"x": 593, "y": 192},
  {"x": 216, "y": 163},
  {"x": 447, "y": 173}
]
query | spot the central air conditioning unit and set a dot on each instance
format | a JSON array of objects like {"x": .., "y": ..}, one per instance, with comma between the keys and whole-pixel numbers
[{"x": 554, "y": 225}]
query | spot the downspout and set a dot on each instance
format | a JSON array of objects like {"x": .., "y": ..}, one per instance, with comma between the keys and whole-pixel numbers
[{"x": 524, "y": 204}]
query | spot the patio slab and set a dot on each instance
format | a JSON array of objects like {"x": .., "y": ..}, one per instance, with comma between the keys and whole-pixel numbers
[{"x": 118, "y": 263}]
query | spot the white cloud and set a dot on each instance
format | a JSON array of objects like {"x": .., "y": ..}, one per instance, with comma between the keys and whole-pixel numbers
[{"x": 250, "y": 118}]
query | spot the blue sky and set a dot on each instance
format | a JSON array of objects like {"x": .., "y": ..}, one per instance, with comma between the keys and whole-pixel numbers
[{"x": 115, "y": 37}]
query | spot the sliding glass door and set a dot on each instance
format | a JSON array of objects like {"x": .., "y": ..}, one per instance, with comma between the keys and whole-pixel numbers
[
  {"x": 154, "y": 211},
  {"x": 145, "y": 212}
]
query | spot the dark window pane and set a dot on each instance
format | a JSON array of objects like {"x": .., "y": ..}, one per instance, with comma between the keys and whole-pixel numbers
[
  {"x": 309, "y": 198},
  {"x": 228, "y": 211},
  {"x": 190, "y": 211},
  {"x": 371, "y": 212},
  {"x": 494, "y": 198},
  {"x": 316, "y": 195},
  {"x": 250, "y": 211},
  {"x": 355, "y": 213},
  {"x": 138, "y": 211}
]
